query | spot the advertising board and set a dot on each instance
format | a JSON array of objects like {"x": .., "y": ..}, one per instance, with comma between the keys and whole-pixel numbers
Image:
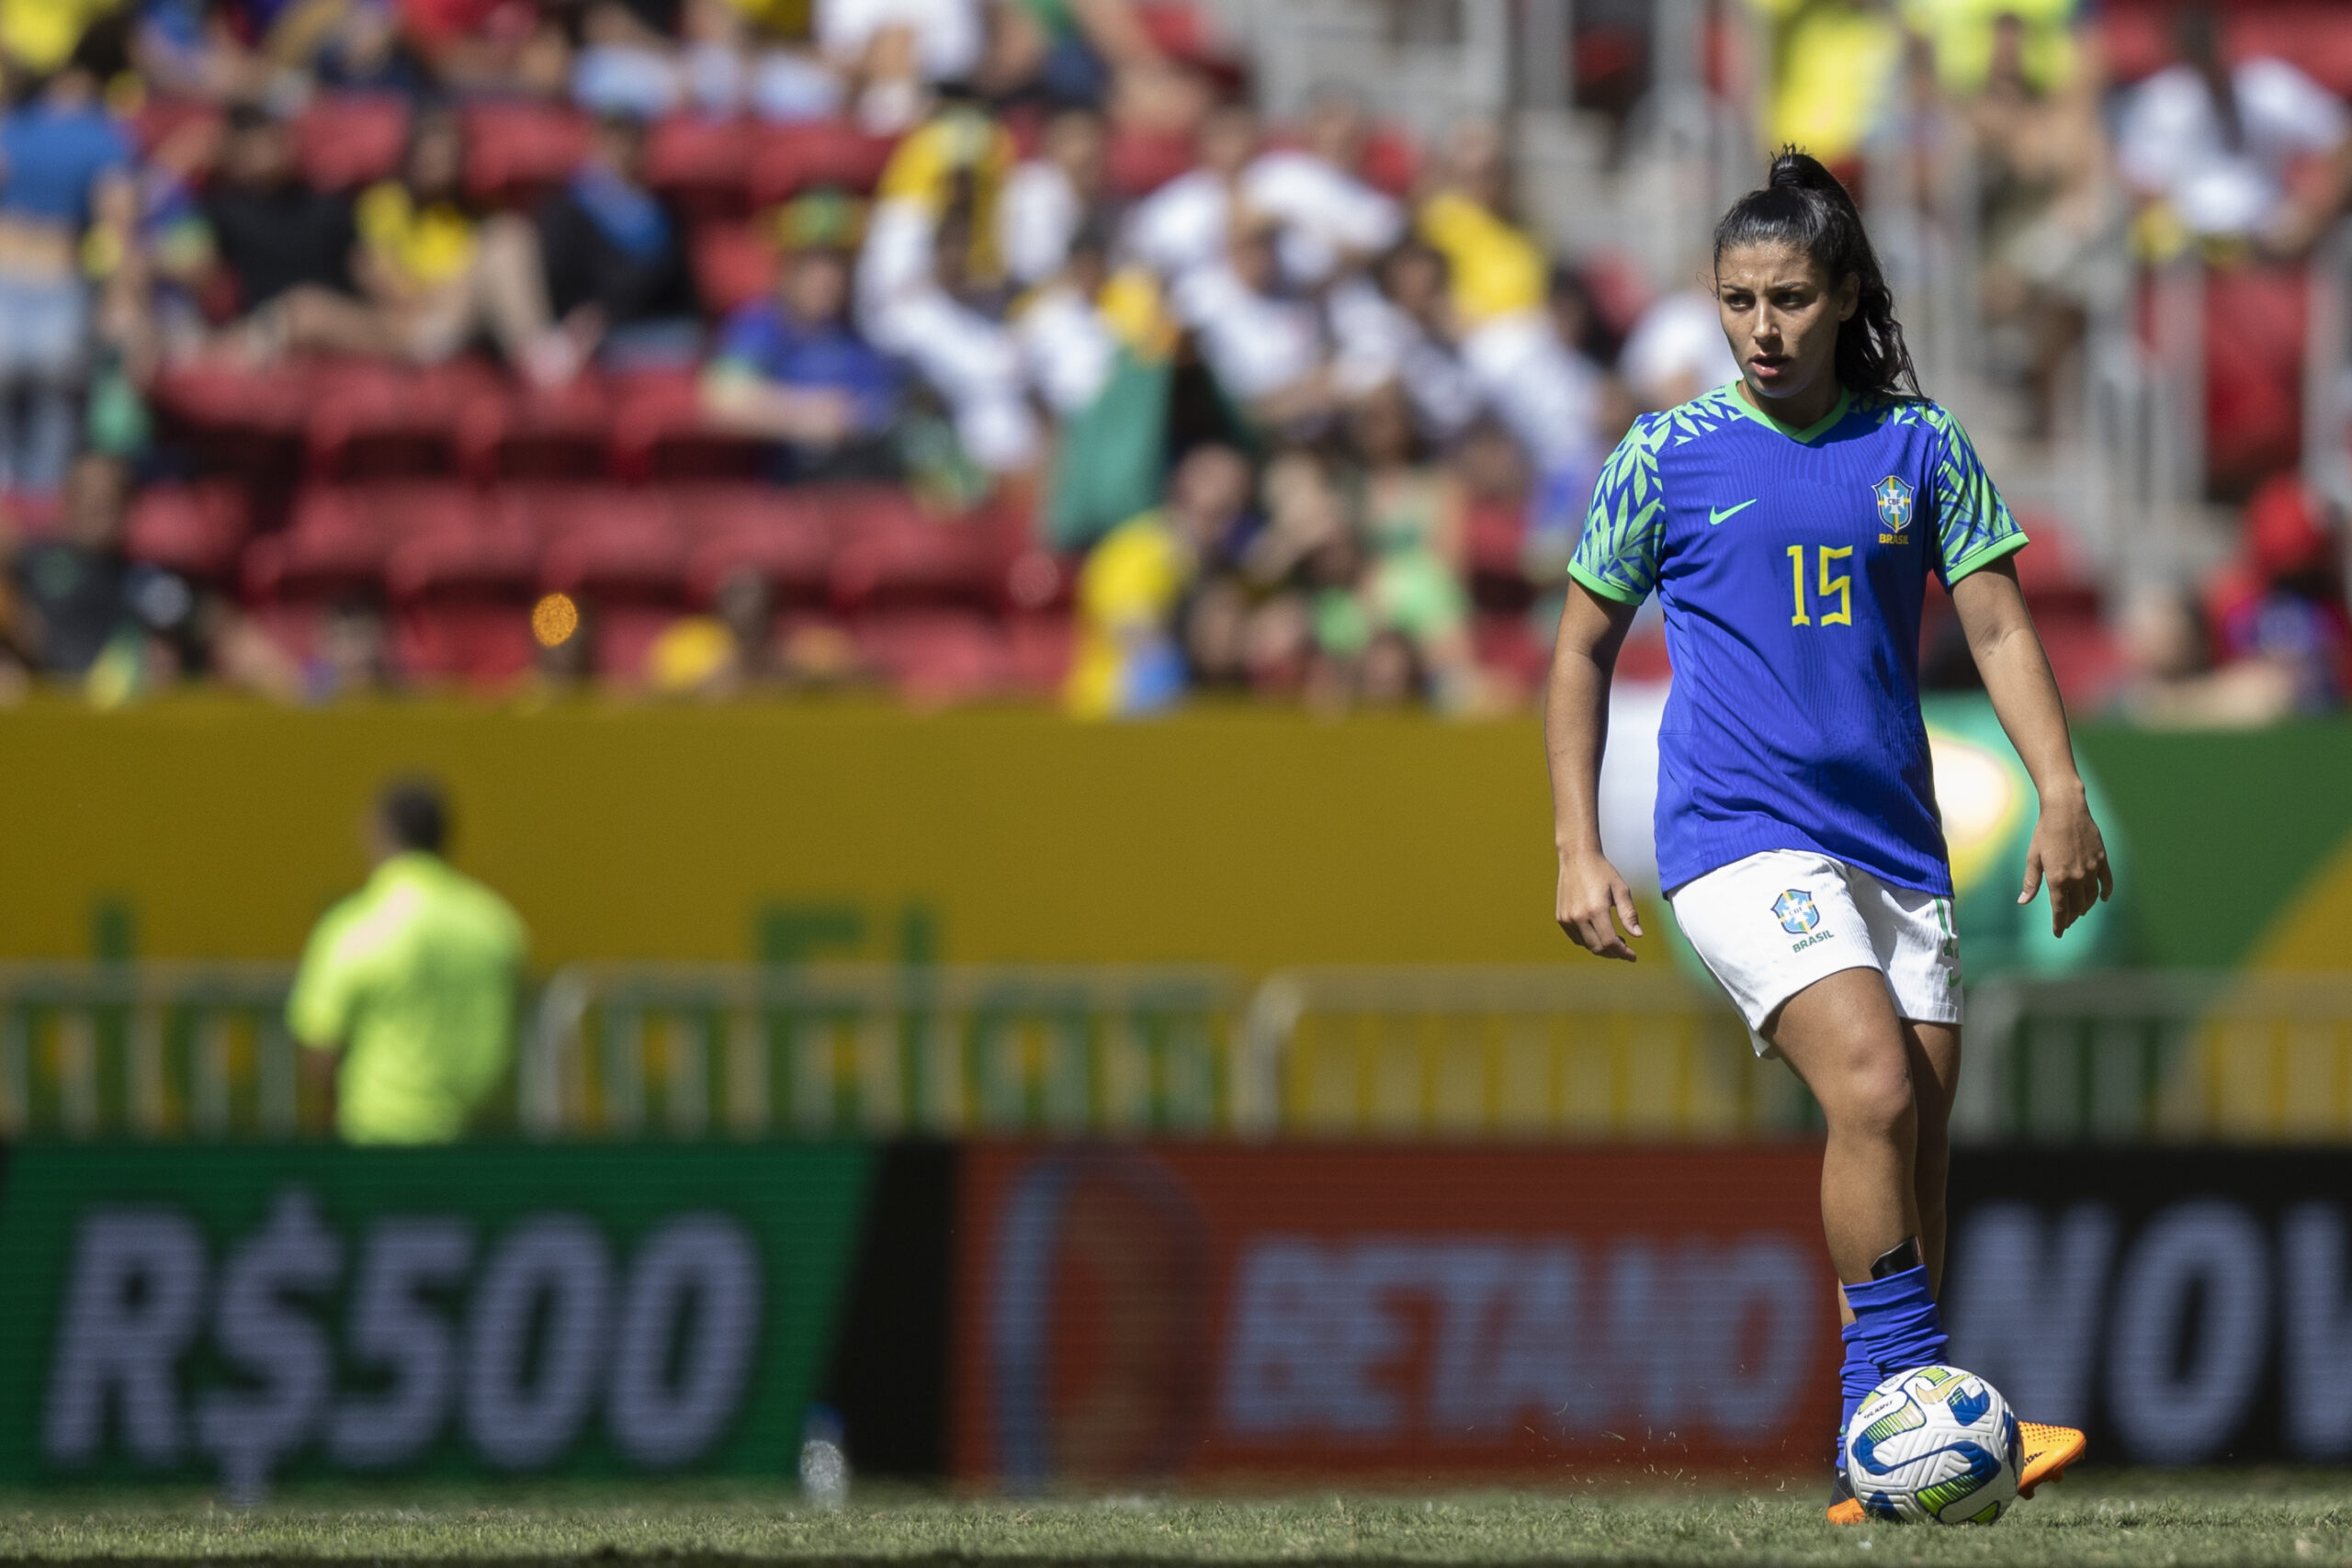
[
  {"x": 2185, "y": 1305},
  {"x": 1270, "y": 1315},
  {"x": 248, "y": 1313}
]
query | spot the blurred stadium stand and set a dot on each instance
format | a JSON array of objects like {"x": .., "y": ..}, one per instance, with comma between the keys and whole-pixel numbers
[{"x": 2163, "y": 384}]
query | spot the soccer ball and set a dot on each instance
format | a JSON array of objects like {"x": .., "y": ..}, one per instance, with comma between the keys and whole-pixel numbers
[{"x": 1934, "y": 1445}]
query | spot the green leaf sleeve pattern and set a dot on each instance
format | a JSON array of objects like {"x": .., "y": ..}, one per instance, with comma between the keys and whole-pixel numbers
[
  {"x": 1617, "y": 556},
  {"x": 1974, "y": 526}
]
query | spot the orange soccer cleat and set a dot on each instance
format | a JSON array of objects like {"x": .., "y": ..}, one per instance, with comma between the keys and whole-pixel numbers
[
  {"x": 2048, "y": 1451},
  {"x": 1845, "y": 1508}
]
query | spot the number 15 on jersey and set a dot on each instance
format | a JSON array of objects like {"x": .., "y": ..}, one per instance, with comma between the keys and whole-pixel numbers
[{"x": 1841, "y": 585}]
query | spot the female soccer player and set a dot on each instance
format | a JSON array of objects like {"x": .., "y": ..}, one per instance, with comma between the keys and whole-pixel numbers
[{"x": 1788, "y": 522}]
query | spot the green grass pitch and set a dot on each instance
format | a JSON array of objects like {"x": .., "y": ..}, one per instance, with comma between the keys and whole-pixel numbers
[{"x": 2122, "y": 1517}]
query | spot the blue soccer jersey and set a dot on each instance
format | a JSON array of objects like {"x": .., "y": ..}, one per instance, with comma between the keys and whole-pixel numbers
[{"x": 1792, "y": 564}]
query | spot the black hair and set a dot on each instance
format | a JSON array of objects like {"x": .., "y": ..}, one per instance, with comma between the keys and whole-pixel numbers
[
  {"x": 2197, "y": 38},
  {"x": 414, "y": 812},
  {"x": 105, "y": 48},
  {"x": 1097, "y": 235},
  {"x": 245, "y": 115},
  {"x": 1801, "y": 204}
]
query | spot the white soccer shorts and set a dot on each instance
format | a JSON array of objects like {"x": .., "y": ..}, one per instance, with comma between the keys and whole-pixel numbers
[{"x": 1773, "y": 924}]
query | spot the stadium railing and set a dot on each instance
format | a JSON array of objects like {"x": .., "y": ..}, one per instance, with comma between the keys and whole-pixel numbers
[
  {"x": 1502, "y": 1052},
  {"x": 689, "y": 1051},
  {"x": 2164, "y": 1055},
  {"x": 1575, "y": 1053},
  {"x": 151, "y": 1050}
]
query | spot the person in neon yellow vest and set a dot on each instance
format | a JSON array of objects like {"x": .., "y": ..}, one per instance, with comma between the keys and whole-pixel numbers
[{"x": 408, "y": 989}]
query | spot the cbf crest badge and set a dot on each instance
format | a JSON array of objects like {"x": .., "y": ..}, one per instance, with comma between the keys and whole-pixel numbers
[
  {"x": 1893, "y": 498},
  {"x": 1796, "y": 911}
]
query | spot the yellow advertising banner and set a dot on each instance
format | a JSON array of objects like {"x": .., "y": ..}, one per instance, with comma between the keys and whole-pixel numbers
[{"x": 213, "y": 828}]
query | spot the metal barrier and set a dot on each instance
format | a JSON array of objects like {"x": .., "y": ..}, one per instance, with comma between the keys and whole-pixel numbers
[
  {"x": 691, "y": 1051},
  {"x": 1579, "y": 1053},
  {"x": 2130, "y": 1056},
  {"x": 1550, "y": 1052},
  {"x": 160, "y": 1050},
  {"x": 176, "y": 1049}
]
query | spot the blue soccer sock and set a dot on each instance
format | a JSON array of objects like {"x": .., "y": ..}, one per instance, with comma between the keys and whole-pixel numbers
[
  {"x": 1896, "y": 1322},
  {"x": 1856, "y": 1377}
]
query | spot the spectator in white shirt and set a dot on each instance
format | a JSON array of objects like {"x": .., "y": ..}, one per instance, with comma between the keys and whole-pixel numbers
[
  {"x": 895, "y": 49},
  {"x": 2217, "y": 143},
  {"x": 1332, "y": 218},
  {"x": 1047, "y": 199},
  {"x": 1264, "y": 344},
  {"x": 1677, "y": 351},
  {"x": 1184, "y": 223},
  {"x": 1394, "y": 325},
  {"x": 1067, "y": 346},
  {"x": 920, "y": 309}
]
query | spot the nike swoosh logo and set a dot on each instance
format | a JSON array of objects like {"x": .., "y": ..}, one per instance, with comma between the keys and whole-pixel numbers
[{"x": 1714, "y": 516}]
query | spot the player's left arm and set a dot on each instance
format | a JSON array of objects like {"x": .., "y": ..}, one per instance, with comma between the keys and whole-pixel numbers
[{"x": 2067, "y": 851}]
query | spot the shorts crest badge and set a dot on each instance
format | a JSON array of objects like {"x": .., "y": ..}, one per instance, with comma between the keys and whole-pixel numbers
[
  {"x": 1893, "y": 498},
  {"x": 1796, "y": 911}
]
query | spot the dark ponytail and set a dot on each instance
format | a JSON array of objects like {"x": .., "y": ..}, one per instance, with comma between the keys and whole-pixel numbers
[{"x": 1803, "y": 205}]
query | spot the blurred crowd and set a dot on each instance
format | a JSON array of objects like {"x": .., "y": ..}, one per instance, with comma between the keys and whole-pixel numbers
[
  {"x": 2094, "y": 160},
  {"x": 982, "y": 346}
]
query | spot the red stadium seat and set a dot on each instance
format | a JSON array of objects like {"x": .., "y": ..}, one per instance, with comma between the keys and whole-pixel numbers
[
  {"x": 216, "y": 398},
  {"x": 1391, "y": 162},
  {"x": 523, "y": 433},
  {"x": 734, "y": 264},
  {"x": 625, "y": 635},
  {"x": 1140, "y": 162},
  {"x": 2255, "y": 322},
  {"x": 1037, "y": 652},
  {"x": 517, "y": 151},
  {"x": 1036, "y": 579},
  {"x": 195, "y": 529},
  {"x": 815, "y": 155},
  {"x": 1180, "y": 29},
  {"x": 347, "y": 140},
  {"x": 462, "y": 562},
  {"x": 2053, "y": 576},
  {"x": 412, "y": 508},
  {"x": 936, "y": 656},
  {"x": 1508, "y": 644},
  {"x": 895, "y": 556},
  {"x": 482, "y": 643},
  {"x": 2083, "y": 658},
  {"x": 2315, "y": 34},
  {"x": 334, "y": 547},
  {"x": 1495, "y": 536},
  {"x": 548, "y": 510},
  {"x": 163, "y": 122},
  {"x": 659, "y": 431},
  {"x": 369, "y": 420},
  {"x": 629, "y": 551},
  {"x": 461, "y": 577},
  {"x": 701, "y": 164},
  {"x": 779, "y": 533}
]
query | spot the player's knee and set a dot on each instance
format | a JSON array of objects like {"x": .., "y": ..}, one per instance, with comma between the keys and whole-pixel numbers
[{"x": 1873, "y": 1095}]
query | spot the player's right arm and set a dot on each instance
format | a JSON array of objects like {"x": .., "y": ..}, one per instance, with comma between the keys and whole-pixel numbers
[
  {"x": 1614, "y": 569},
  {"x": 1576, "y": 726}
]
